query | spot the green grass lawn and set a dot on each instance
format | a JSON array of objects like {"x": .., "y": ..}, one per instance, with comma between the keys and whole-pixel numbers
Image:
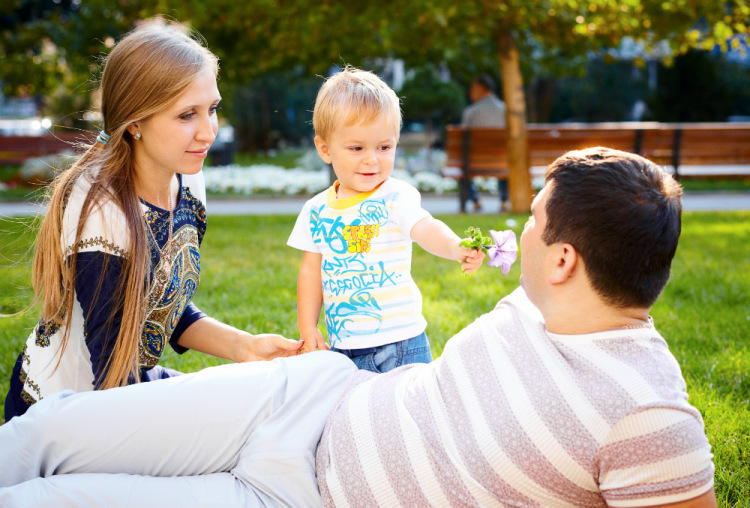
[{"x": 249, "y": 280}]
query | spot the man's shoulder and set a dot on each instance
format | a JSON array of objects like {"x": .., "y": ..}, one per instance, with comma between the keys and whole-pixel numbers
[
  {"x": 471, "y": 109},
  {"x": 518, "y": 301},
  {"x": 487, "y": 112},
  {"x": 497, "y": 101},
  {"x": 511, "y": 318}
]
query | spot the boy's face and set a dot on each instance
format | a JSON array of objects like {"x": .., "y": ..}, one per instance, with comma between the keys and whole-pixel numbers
[{"x": 362, "y": 155}]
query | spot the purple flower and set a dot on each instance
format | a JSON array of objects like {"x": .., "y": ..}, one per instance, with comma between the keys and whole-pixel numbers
[{"x": 505, "y": 250}]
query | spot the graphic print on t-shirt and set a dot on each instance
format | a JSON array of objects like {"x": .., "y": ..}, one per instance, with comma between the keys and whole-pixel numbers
[{"x": 354, "y": 276}]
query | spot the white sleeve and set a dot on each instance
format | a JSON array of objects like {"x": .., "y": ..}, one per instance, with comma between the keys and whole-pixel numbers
[
  {"x": 105, "y": 229},
  {"x": 409, "y": 207},
  {"x": 197, "y": 185},
  {"x": 301, "y": 237}
]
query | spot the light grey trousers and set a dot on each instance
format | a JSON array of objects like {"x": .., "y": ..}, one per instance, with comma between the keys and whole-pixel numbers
[{"x": 234, "y": 435}]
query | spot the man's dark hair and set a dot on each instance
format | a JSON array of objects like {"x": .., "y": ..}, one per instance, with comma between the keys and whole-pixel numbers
[
  {"x": 622, "y": 214},
  {"x": 486, "y": 81}
]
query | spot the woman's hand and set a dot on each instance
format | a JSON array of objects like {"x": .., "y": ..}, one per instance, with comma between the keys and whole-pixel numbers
[
  {"x": 218, "y": 339},
  {"x": 265, "y": 346}
]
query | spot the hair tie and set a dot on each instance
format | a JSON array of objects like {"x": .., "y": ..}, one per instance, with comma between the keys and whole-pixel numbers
[{"x": 103, "y": 138}]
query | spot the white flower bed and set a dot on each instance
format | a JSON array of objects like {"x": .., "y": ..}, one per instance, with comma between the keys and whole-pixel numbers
[
  {"x": 312, "y": 176},
  {"x": 264, "y": 179}
]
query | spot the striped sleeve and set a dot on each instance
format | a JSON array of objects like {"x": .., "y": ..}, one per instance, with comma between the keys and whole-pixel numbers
[{"x": 657, "y": 455}]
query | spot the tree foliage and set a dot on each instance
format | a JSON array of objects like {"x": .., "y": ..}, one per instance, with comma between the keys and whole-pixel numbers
[
  {"x": 425, "y": 94},
  {"x": 563, "y": 29},
  {"x": 43, "y": 43}
]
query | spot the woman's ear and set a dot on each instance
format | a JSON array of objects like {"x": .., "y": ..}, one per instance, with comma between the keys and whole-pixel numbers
[
  {"x": 322, "y": 147},
  {"x": 133, "y": 129},
  {"x": 566, "y": 262}
]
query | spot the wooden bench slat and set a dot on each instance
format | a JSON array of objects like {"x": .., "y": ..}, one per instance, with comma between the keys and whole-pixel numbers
[
  {"x": 666, "y": 144},
  {"x": 17, "y": 149}
]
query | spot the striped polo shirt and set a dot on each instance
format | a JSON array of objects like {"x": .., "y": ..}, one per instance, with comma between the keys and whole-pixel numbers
[{"x": 512, "y": 415}]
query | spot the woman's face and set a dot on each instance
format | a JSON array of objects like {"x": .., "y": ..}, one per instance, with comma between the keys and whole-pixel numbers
[{"x": 177, "y": 139}]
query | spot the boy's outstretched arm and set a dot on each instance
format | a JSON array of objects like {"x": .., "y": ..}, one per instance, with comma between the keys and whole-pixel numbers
[
  {"x": 438, "y": 239},
  {"x": 309, "y": 302}
]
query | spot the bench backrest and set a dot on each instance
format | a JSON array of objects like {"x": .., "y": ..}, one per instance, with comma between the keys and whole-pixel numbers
[
  {"x": 17, "y": 149},
  {"x": 479, "y": 151},
  {"x": 483, "y": 151},
  {"x": 547, "y": 142},
  {"x": 698, "y": 144}
]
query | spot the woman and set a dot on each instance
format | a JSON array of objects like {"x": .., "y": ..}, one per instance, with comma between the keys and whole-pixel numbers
[{"x": 118, "y": 259}]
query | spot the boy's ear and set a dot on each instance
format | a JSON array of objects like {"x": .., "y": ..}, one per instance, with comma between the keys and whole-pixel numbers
[{"x": 322, "y": 147}]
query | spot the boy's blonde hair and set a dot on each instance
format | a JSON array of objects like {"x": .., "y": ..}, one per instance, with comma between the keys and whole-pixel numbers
[{"x": 355, "y": 97}]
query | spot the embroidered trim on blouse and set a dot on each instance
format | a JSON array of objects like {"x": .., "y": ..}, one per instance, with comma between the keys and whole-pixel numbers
[
  {"x": 98, "y": 241},
  {"x": 25, "y": 381},
  {"x": 45, "y": 330}
]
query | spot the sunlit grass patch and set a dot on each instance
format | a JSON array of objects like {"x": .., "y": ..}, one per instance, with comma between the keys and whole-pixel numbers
[{"x": 249, "y": 279}]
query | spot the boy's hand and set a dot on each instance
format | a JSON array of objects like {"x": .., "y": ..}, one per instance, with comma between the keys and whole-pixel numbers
[
  {"x": 313, "y": 341},
  {"x": 470, "y": 259}
]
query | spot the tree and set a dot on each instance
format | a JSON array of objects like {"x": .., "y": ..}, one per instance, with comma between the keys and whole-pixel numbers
[
  {"x": 255, "y": 37},
  {"x": 698, "y": 77},
  {"x": 46, "y": 45},
  {"x": 425, "y": 95},
  {"x": 563, "y": 29}
]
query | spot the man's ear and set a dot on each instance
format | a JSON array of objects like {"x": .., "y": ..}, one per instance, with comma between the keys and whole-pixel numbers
[
  {"x": 566, "y": 263},
  {"x": 322, "y": 147}
]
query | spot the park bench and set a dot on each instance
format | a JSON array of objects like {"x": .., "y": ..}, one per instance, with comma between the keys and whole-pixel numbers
[
  {"x": 691, "y": 150},
  {"x": 18, "y": 149}
]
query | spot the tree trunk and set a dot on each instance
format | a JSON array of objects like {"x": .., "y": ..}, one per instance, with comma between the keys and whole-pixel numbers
[
  {"x": 428, "y": 141},
  {"x": 265, "y": 112},
  {"x": 519, "y": 178}
]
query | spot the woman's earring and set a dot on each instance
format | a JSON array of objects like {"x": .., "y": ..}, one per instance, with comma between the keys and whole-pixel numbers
[{"x": 137, "y": 135}]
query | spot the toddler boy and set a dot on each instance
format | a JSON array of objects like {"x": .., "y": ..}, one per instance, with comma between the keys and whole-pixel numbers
[{"x": 356, "y": 236}]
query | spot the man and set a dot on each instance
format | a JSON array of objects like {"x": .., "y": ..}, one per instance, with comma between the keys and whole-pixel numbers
[
  {"x": 486, "y": 110},
  {"x": 563, "y": 395}
]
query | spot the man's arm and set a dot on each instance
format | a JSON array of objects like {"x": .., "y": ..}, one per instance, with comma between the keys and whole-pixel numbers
[{"x": 309, "y": 302}]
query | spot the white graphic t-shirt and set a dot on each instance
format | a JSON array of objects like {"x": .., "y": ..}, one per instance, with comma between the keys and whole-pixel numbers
[{"x": 369, "y": 296}]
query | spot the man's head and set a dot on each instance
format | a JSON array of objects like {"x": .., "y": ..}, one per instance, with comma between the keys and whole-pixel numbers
[
  {"x": 357, "y": 119},
  {"x": 622, "y": 215},
  {"x": 481, "y": 86}
]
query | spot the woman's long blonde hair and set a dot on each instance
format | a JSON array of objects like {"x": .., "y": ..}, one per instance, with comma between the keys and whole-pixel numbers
[{"x": 145, "y": 73}]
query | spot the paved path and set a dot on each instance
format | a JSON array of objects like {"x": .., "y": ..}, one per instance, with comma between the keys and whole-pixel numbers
[{"x": 438, "y": 205}]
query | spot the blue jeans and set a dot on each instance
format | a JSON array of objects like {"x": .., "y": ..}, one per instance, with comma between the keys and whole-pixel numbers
[{"x": 389, "y": 356}]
